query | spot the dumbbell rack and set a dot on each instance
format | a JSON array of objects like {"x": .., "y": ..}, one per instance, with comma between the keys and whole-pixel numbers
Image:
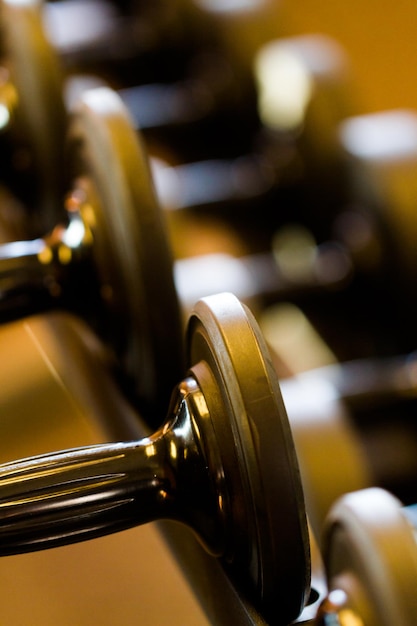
[{"x": 345, "y": 311}]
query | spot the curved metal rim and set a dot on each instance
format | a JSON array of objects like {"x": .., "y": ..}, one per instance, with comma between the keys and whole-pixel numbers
[
  {"x": 369, "y": 537},
  {"x": 36, "y": 74},
  {"x": 223, "y": 333},
  {"x": 108, "y": 151}
]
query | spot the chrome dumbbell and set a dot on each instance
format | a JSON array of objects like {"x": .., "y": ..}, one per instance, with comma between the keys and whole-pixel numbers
[
  {"x": 290, "y": 84},
  {"x": 32, "y": 113},
  {"x": 223, "y": 463},
  {"x": 319, "y": 64},
  {"x": 111, "y": 247},
  {"x": 110, "y": 260},
  {"x": 58, "y": 391},
  {"x": 174, "y": 57},
  {"x": 290, "y": 136},
  {"x": 370, "y": 556}
]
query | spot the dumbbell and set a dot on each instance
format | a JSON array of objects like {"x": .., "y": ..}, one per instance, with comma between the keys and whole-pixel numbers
[
  {"x": 110, "y": 261},
  {"x": 182, "y": 73},
  {"x": 111, "y": 246},
  {"x": 32, "y": 112},
  {"x": 258, "y": 190},
  {"x": 373, "y": 216},
  {"x": 381, "y": 155},
  {"x": 300, "y": 88},
  {"x": 34, "y": 116},
  {"x": 316, "y": 59},
  {"x": 123, "y": 38},
  {"x": 374, "y": 225},
  {"x": 356, "y": 432},
  {"x": 223, "y": 77},
  {"x": 370, "y": 556},
  {"x": 223, "y": 463},
  {"x": 58, "y": 390},
  {"x": 32, "y": 89},
  {"x": 349, "y": 529},
  {"x": 295, "y": 269},
  {"x": 352, "y": 422}
]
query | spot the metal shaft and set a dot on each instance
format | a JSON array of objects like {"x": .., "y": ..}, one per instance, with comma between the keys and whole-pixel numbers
[
  {"x": 79, "y": 494},
  {"x": 84, "y": 493},
  {"x": 35, "y": 272}
]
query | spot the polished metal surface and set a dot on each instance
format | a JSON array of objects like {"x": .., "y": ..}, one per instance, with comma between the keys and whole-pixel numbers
[
  {"x": 86, "y": 493},
  {"x": 226, "y": 338},
  {"x": 266, "y": 132},
  {"x": 131, "y": 253},
  {"x": 370, "y": 554},
  {"x": 111, "y": 261},
  {"x": 223, "y": 463},
  {"x": 57, "y": 391}
]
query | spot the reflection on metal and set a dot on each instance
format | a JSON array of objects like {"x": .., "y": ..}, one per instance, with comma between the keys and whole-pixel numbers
[
  {"x": 370, "y": 555},
  {"x": 102, "y": 259},
  {"x": 257, "y": 527},
  {"x": 269, "y": 120}
]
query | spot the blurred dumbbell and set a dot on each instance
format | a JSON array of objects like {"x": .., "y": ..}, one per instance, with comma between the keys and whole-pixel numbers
[
  {"x": 272, "y": 183},
  {"x": 87, "y": 32},
  {"x": 370, "y": 556},
  {"x": 296, "y": 268},
  {"x": 226, "y": 73},
  {"x": 223, "y": 463},
  {"x": 381, "y": 155},
  {"x": 110, "y": 260},
  {"x": 121, "y": 39},
  {"x": 369, "y": 210},
  {"x": 375, "y": 224},
  {"x": 185, "y": 79},
  {"x": 300, "y": 80},
  {"x": 300, "y": 92},
  {"x": 32, "y": 113},
  {"x": 102, "y": 261},
  {"x": 352, "y": 422}
]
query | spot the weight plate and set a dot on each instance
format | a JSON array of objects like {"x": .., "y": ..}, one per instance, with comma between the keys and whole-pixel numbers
[
  {"x": 268, "y": 547},
  {"x": 131, "y": 251},
  {"x": 40, "y": 116},
  {"x": 370, "y": 554}
]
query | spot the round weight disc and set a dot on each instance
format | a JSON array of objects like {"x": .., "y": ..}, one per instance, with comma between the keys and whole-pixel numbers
[
  {"x": 130, "y": 250},
  {"x": 268, "y": 547},
  {"x": 370, "y": 553},
  {"x": 40, "y": 112}
]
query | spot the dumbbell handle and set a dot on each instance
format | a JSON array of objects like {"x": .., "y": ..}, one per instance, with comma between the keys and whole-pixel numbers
[
  {"x": 79, "y": 494},
  {"x": 73, "y": 495}
]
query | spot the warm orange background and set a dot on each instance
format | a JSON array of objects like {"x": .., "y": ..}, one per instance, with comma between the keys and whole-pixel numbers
[{"x": 380, "y": 38}]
